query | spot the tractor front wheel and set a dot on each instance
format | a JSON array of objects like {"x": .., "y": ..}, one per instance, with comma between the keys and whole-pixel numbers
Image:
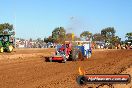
[
  {"x": 50, "y": 59},
  {"x": 1, "y": 50}
]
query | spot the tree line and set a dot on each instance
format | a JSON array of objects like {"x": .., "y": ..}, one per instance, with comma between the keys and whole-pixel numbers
[
  {"x": 59, "y": 35},
  {"x": 107, "y": 35}
]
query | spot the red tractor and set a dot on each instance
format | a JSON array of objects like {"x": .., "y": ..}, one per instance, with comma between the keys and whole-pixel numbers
[
  {"x": 68, "y": 52},
  {"x": 63, "y": 53}
]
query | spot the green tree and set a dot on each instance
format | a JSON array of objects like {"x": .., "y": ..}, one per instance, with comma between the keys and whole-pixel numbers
[
  {"x": 116, "y": 40},
  {"x": 58, "y": 34},
  {"x": 49, "y": 39},
  {"x": 6, "y": 27},
  {"x": 86, "y": 35},
  {"x": 129, "y": 36},
  {"x": 46, "y": 40},
  {"x": 108, "y": 33},
  {"x": 97, "y": 37}
]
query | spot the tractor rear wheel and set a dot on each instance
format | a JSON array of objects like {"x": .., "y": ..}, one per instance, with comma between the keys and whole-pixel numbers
[
  {"x": 10, "y": 48},
  {"x": 75, "y": 55},
  {"x": 80, "y": 56},
  {"x": 1, "y": 50}
]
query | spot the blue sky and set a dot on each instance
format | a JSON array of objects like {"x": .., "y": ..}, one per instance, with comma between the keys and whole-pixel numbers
[{"x": 37, "y": 18}]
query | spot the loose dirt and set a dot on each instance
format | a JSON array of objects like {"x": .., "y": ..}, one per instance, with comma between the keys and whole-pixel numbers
[{"x": 26, "y": 68}]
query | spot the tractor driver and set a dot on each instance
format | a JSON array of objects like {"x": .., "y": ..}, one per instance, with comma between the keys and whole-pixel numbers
[
  {"x": 68, "y": 50},
  {"x": 4, "y": 40}
]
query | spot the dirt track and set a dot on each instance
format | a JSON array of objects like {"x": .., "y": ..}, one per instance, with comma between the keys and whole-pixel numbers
[{"x": 26, "y": 68}]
